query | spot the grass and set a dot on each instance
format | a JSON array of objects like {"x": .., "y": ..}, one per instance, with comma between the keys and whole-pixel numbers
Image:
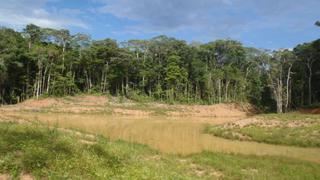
[
  {"x": 292, "y": 129},
  {"x": 302, "y": 136},
  {"x": 45, "y": 152},
  {"x": 176, "y": 135},
  {"x": 291, "y": 117},
  {"x": 48, "y": 153},
  {"x": 254, "y": 167}
]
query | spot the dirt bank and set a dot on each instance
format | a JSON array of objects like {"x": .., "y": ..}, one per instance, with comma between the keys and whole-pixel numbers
[
  {"x": 310, "y": 110},
  {"x": 104, "y": 104}
]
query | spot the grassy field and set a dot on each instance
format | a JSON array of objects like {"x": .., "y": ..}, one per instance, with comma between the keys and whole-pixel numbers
[
  {"x": 292, "y": 129},
  {"x": 174, "y": 135},
  {"x": 38, "y": 151},
  {"x": 98, "y": 137}
]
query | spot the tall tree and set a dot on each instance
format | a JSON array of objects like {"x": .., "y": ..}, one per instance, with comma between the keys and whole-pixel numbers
[
  {"x": 49, "y": 61},
  {"x": 32, "y": 33},
  {"x": 176, "y": 76},
  {"x": 306, "y": 53}
]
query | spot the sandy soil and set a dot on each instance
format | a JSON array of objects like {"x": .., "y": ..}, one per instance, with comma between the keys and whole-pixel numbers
[
  {"x": 5, "y": 177},
  {"x": 267, "y": 123},
  {"x": 310, "y": 110},
  {"x": 217, "y": 110},
  {"x": 22, "y": 177},
  {"x": 96, "y": 104}
]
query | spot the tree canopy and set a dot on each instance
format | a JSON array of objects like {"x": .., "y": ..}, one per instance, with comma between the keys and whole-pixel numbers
[{"x": 42, "y": 61}]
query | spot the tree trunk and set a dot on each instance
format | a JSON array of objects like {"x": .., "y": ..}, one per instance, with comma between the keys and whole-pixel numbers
[
  {"x": 102, "y": 81},
  {"x": 302, "y": 97},
  {"x": 277, "y": 88},
  {"x": 28, "y": 81},
  {"x": 88, "y": 82},
  {"x": 278, "y": 94},
  {"x": 309, "y": 65},
  {"x": 38, "y": 88},
  {"x": 63, "y": 52},
  {"x": 226, "y": 90},
  {"x": 43, "y": 86},
  {"x": 29, "y": 45},
  {"x": 287, "y": 89},
  {"x": 219, "y": 90},
  {"x": 122, "y": 87},
  {"x": 48, "y": 82},
  {"x": 39, "y": 79},
  {"x": 127, "y": 84}
]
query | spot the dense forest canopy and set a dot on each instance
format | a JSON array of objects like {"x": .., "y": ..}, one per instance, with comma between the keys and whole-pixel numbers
[{"x": 42, "y": 61}]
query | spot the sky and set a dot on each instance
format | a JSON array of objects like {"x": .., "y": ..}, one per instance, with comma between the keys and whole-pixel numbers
[{"x": 269, "y": 24}]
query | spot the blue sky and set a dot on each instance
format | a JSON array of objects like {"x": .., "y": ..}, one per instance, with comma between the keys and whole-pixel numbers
[{"x": 268, "y": 24}]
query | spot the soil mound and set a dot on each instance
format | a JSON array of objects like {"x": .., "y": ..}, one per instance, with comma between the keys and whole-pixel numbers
[
  {"x": 310, "y": 110},
  {"x": 86, "y": 100},
  {"x": 95, "y": 104},
  {"x": 74, "y": 104},
  {"x": 47, "y": 102},
  {"x": 217, "y": 110}
]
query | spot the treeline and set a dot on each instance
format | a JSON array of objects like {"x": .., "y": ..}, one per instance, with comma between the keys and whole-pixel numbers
[{"x": 43, "y": 61}]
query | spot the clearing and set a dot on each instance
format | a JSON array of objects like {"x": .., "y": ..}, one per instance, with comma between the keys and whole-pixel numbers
[
  {"x": 34, "y": 151},
  {"x": 178, "y": 133}
]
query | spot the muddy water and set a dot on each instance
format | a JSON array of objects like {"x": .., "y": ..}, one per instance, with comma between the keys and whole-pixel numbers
[{"x": 179, "y": 135}]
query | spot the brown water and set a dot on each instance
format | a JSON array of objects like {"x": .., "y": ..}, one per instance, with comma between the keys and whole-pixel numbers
[{"x": 179, "y": 135}]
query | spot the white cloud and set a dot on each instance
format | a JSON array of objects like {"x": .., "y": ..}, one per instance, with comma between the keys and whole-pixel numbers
[
  {"x": 17, "y": 13},
  {"x": 215, "y": 18}
]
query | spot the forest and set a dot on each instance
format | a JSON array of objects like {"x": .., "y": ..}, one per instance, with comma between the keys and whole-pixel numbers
[{"x": 49, "y": 62}]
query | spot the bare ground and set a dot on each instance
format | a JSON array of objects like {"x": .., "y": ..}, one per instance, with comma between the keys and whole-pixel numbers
[
  {"x": 217, "y": 110},
  {"x": 104, "y": 104},
  {"x": 5, "y": 177},
  {"x": 310, "y": 111},
  {"x": 260, "y": 122},
  {"x": 23, "y": 176}
]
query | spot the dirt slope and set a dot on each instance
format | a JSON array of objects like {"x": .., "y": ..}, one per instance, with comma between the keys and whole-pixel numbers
[
  {"x": 104, "y": 104},
  {"x": 217, "y": 110},
  {"x": 310, "y": 111}
]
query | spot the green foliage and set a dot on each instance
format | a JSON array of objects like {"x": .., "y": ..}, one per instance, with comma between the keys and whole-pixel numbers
[
  {"x": 64, "y": 85},
  {"x": 43, "y": 61},
  {"x": 139, "y": 96},
  {"x": 176, "y": 77}
]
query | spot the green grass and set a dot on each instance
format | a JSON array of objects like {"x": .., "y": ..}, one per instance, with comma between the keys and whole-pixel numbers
[
  {"x": 305, "y": 135},
  {"x": 301, "y": 136},
  {"x": 48, "y": 153},
  {"x": 291, "y": 116},
  {"x": 255, "y": 167}
]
